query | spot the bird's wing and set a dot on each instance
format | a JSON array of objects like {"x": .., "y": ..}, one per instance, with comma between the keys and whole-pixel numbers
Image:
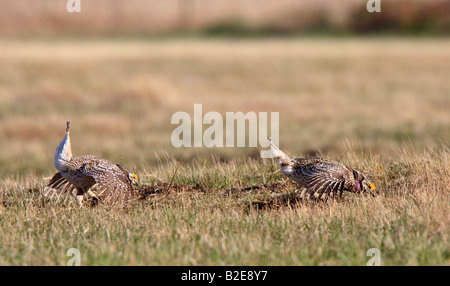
[
  {"x": 112, "y": 182},
  {"x": 323, "y": 179},
  {"x": 58, "y": 188}
]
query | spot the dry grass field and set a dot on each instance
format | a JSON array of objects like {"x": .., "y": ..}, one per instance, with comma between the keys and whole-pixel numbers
[{"x": 378, "y": 104}]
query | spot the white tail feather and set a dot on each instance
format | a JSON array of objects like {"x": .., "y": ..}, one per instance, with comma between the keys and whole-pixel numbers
[{"x": 63, "y": 152}]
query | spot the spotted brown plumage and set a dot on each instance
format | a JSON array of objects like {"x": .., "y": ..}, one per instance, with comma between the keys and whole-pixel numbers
[
  {"x": 322, "y": 177},
  {"x": 89, "y": 175}
]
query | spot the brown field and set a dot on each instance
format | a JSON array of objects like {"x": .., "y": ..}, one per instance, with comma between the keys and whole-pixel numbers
[{"x": 120, "y": 95}]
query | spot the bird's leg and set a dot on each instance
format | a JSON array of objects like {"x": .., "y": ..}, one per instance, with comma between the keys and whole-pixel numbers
[
  {"x": 79, "y": 197},
  {"x": 91, "y": 194}
]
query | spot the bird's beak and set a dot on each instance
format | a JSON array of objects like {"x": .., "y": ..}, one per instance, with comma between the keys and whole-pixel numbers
[
  {"x": 372, "y": 187},
  {"x": 136, "y": 177}
]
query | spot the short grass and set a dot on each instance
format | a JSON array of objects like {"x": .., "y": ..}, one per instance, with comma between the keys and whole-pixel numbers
[{"x": 207, "y": 216}]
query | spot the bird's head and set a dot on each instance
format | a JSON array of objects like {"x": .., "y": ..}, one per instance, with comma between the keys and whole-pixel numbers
[
  {"x": 134, "y": 179},
  {"x": 362, "y": 184}
]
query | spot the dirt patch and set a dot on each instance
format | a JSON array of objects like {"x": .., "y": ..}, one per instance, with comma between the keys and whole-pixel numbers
[
  {"x": 277, "y": 187},
  {"x": 277, "y": 201},
  {"x": 281, "y": 193},
  {"x": 166, "y": 189}
]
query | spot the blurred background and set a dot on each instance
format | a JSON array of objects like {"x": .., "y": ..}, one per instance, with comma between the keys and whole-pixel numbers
[{"x": 118, "y": 70}]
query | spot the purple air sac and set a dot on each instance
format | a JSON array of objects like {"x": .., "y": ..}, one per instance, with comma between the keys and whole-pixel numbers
[{"x": 358, "y": 186}]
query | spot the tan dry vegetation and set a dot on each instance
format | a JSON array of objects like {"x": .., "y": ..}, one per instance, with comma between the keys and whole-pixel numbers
[{"x": 120, "y": 95}]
